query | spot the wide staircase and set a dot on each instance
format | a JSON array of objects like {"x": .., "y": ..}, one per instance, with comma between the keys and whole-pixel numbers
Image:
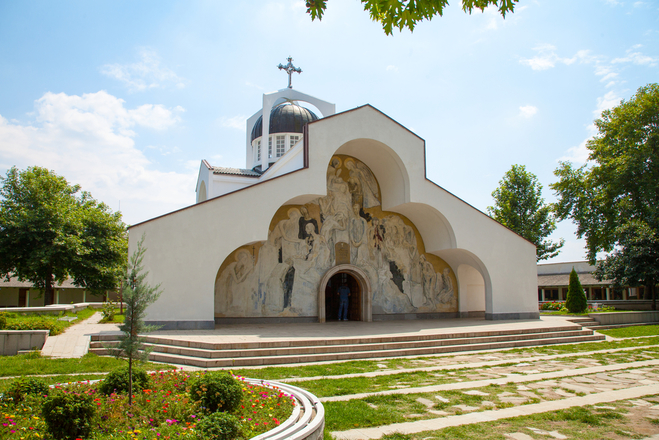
[{"x": 218, "y": 354}]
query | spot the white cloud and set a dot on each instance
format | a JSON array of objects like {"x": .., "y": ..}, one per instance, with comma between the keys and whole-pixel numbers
[
  {"x": 527, "y": 111},
  {"x": 637, "y": 58},
  {"x": 89, "y": 140},
  {"x": 392, "y": 68},
  {"x": 147, "y": 73},
  {"x": 237, "y": 122},
  {"x": 606, "y": 102},
  {"x": 579, "y": 154},
  {"x": 547, "y": 58}
]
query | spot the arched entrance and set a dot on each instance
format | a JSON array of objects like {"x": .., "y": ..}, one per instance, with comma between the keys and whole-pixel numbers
[
  {"x": 332, "y": 301},
  {"x": 360, "y": 299}
]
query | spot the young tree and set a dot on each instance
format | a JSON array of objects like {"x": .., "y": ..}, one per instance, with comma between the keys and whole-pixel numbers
[
  {"x": 407, "y": 13},
  {"x": 518, "y": 205},
  {"x": 617, "y": 193},
  {"x": 50, "y": 231},
  {"x": 576, "y": 301},
  {"x": 138, "y": 295},
  {"x": 636, "y": 260}
]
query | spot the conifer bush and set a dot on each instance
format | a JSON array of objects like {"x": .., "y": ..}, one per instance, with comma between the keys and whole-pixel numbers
[
  {"x": 217, "y": 391},
  {"x": 219, "y": 426},
  {"x": 27, "y": 385},
  {"x": 69, "y": 415},
  {"x": 117, "y": 381},
  {"x": 3, "y": 320},
  {"x": 576, "y": 298}
]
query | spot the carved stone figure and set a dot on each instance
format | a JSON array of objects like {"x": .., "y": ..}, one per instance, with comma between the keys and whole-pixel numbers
[{"x": 300, "y": 249}]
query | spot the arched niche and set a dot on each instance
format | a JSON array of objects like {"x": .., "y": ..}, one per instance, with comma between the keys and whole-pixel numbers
[{"x": 385, "y": 164}]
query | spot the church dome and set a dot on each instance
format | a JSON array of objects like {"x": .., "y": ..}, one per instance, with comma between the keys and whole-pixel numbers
[{"x": 285, "y": 118}]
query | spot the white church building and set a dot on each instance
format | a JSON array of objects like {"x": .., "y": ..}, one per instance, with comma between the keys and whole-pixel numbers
[{"x": 342, "y": 199}]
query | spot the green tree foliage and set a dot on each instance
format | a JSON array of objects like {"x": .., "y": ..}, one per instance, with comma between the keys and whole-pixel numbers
[
  {"x": 407, "y": 13},
  {"x": 616, "y": 195},
  {"x": 636, "y": 260},
  {"x": 518, "y": 205},
  {"x": 50, "y": 231},
  {"x": 576, "y": 301},
  {"x": 138, "y": 295}
]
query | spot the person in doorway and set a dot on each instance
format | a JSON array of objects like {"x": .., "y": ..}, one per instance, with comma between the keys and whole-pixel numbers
[{"x": 344, "y": 295}]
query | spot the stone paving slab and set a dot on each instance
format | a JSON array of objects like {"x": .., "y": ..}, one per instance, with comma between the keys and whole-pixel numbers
[
  {"x": 554, "y": 359},
  {"x": 499, "y": 381},
  {"x": 493, "y": 415}
]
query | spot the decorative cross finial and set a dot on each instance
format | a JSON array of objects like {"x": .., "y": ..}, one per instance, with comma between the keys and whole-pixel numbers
[{"x": 289, "y": 68}]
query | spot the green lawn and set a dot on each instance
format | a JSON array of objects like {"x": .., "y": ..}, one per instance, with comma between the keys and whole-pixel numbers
[{"x": 632, "y": 332}]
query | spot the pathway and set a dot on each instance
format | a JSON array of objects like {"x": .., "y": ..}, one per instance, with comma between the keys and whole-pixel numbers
[{"x": 74, "y": 341}]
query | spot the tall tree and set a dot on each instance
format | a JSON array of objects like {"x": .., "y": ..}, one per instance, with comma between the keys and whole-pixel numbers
[
  {"x": 518, "y": 205},
  {"x": 407, "y": 13},
  {"x": 50, "y": 231},
  {"x": 137, "y": 296},
  {"x": 617, "y": 192},
  {"x": 635, "y": 262}
]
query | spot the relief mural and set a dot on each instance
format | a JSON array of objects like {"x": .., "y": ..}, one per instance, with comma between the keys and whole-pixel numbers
[{"x": 281, "y": 276}]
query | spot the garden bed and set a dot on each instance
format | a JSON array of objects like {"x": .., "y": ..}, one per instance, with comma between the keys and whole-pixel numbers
[{"x": 165, "y": 410}]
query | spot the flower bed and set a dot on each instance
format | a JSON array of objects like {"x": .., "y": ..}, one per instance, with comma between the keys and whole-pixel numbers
[{"x": 165, "y": 410}]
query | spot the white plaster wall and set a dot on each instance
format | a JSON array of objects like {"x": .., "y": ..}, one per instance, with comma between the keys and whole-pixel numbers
[
  {"x": 292, "y": 160},
  {"x": 187, "y": 247},
  {"x": 224, "y": 184}
]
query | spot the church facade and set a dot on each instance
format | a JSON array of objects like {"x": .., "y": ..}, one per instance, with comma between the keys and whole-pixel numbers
[{"x": 328, "y": 201}]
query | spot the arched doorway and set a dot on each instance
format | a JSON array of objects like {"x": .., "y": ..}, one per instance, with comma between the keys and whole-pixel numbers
[
  {"x": 360, "y": 299},
  {"x": 332, "y": 297}
]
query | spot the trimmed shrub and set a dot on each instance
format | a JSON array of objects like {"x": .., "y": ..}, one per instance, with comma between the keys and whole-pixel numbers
[
  {"x": 217, "y": 391},
  {"x": 117, "y": 381},
  {"x": 108, "y": 311},
  {"x": 27, "y": 385},
  {"x": 69, "y": 415},
  {"x": 3, "y": 320},
  {"x": 218, "y": 426},
  {"x": 576, "y": 298}
]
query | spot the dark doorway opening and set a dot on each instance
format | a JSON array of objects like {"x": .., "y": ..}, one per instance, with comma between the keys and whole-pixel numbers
[
  {"x": 332, "y": 297},
  {"x": 22, "y": 297}
]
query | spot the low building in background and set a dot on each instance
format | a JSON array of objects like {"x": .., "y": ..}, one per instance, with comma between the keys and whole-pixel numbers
[
  {"x": 554, "y": 279},
  {"x": 14, "y": 293}
]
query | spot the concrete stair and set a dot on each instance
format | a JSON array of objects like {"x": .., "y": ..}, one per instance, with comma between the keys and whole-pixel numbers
[
  {"x": 213, "y": 355},
  {"x": 587, "y": 322}
]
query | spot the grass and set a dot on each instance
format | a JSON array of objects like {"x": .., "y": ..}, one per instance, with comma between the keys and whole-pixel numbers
[
  {"x": 116, "y": 318},
  {"x": 587, "y": 423},
  {"x": 35, "y": 364},
  {"x": 32, "y": 321},
  {"x": 632, "y": 332}
]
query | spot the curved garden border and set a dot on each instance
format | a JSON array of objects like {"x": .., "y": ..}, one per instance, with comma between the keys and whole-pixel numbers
[{"x": 307, "y": 421}]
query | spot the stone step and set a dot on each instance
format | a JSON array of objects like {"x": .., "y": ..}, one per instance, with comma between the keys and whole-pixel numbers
[
  {"x": 354, "y": 347},
  {"x": 162, "y": 340},
  {"x": 206, "y": 362},
  {"x": 586, "y": 322}
]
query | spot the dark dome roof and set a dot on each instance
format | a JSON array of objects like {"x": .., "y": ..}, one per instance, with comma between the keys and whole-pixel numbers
[{"x": 285, "y": 118}]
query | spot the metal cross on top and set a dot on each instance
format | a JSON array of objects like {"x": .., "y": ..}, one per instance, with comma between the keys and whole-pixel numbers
[{"x": 289, "y": 68}]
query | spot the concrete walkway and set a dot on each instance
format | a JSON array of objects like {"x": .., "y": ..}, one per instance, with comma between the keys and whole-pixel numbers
[{"x": 74, "y": 342}]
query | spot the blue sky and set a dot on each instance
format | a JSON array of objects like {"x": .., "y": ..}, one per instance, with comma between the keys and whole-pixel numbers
[{"x": 125, "y": 98}]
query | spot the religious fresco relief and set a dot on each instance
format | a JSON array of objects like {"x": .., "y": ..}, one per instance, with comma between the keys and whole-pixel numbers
[{"x": 280, "y": 277}]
